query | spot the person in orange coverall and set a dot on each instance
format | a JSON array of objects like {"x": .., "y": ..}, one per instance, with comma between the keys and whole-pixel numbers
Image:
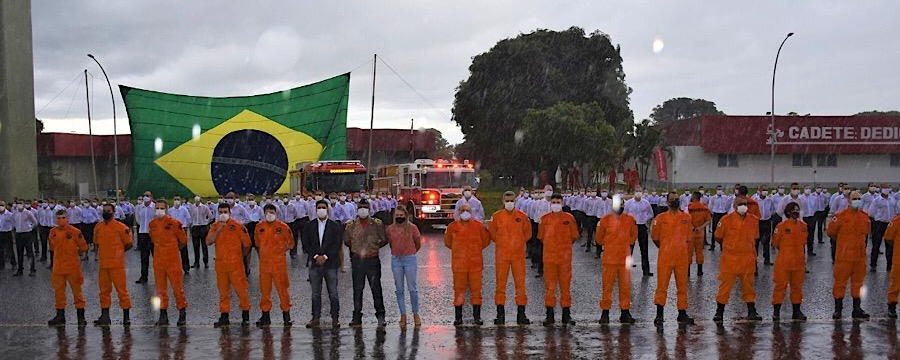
[
  {"x": 671, "y": 233},
  {"x": 700, "y": 218},
  {"x": 850, "y": 227},
  {"x": 274, "y": 240},
  {"x": 737, "y": 232},
  {"x": 557, "y": 232},
  {"x": 67, "y": 244},
  {"x": 168, "y": 238},
  {"x": 510, "y": 229},
  {"x": 112, "y": 238},
  {"x": 616, "y": 233},
  {"x": 232, "y": 244},
  {"x": 890, "y": 236},
  {"x": 466, "y": 238},
  {"x": 790, "y": 266}
]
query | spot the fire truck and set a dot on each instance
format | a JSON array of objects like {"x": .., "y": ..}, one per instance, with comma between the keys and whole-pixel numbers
[
  {"x": 429, "y": 188},
  {"x": 329, "y": 176}
]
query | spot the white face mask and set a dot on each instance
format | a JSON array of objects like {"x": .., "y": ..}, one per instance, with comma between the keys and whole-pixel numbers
[
  {"x": 362, "y": 213},
  {"x": 342, "y": 198},
  {"x": 230, "y": 201},
  {"x": 548, "y": 193},
  {"x": 160, "y": 213},
  {"x": 318, "y": 198},
  {"x": 556, "y": 207},
  {"x": 807, "y": 191},
  {"x": 719, "y": 192},
  {"x": 509, "y": 206},
  {"x": 270, "y": 217},
  {"x": 781, "y": 191},
  {"x": 742, "y": 209},
  {"x": 465, "y": 215},
  {"x": 285, "y": 201},
  {"x": 2, "y": 208},
  {"x": 638, "y": 194},
  {"x": 252, "y": 203},
  {"x": 765, "y": 192},
  {"x": 322, "y": 213},
  {"x": 604, "y": 194},
  {"x": 223, "y": 217},
  {"x": 856, "y": 204},
  {"x": 467, "y": 194},
  {"x": 146, "y": 199},
  {"x": 177, "y": 202}
]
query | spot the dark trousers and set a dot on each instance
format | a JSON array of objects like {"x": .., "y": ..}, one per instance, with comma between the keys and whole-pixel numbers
[
  {"x": 251, "y": 228},
  {"x": 878, "y": 229},
  {"x": 44, "y": 234},
  {"x": 129, "y": 220},
  {"x": 644, "y": 247},
  {"x": 88, "y": 232},
  {"x": 820, "y": 225},
  {"x": 590, "y": 222},
  {"x": 655, "y": 209},
  {"x": 580, "y": 219},
  {"x": 185, "y": 261},
  {"x": 330, "y": 276},
  {"x": 146, "y": 248},
  {"x": 535, "y": 249},
  {"x": 764, "y": 241},
  {"x": 716, "y": 217},
  {"x": 811, "y": 233},
  {"x": 362, "y": 270},
  {"x": 198, "y": 239},
  {"x": 6, "y": 249},
  {"x": 24, "y": 247}
]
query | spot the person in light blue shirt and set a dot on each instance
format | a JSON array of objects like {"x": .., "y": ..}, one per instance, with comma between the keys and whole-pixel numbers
[
  {"x": 143, "y": 213},
  {"x": 881, "y": 210},
  {"x": 640, "y": 209},
  {"x": 477, "y": 209}
]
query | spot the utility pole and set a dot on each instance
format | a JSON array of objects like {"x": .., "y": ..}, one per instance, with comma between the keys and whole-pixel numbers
[{"x": 87, "y": 96}]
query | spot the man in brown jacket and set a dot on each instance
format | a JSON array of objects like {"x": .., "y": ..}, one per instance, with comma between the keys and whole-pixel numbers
[{"x": 365, "y": 237}]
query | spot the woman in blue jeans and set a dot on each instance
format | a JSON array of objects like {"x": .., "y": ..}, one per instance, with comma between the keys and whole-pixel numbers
[{"x": 405, "y": 241}]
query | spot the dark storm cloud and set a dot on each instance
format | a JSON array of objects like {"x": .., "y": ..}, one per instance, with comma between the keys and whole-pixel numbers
[{"x": 841, "y": 60}]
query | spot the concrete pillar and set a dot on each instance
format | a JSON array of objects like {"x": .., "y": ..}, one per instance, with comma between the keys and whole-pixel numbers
[{"x": 18, "y": 143}]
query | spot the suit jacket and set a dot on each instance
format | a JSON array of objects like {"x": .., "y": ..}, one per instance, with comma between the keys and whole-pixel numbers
[{"x": 330, "y": 245}]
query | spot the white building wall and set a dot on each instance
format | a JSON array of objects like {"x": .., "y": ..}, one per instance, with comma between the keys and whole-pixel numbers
[{"x": 690, "y": 166}]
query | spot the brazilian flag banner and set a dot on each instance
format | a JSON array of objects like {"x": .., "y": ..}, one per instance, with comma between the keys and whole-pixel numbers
[{"x": 193, "y": 145}]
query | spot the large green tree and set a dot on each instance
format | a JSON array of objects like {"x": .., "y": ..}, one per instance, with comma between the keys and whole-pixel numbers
[
  {"x": 535, "y": 71},
  {"x": 683, "y": 108}
]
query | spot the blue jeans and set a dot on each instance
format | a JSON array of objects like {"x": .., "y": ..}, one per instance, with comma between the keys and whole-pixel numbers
[
  {"x": 330, "y": 275},
  {"x": 404, "y": 269}
]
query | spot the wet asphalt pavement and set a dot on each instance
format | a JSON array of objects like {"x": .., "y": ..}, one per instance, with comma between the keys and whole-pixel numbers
[{"x": 27, "y": 303}]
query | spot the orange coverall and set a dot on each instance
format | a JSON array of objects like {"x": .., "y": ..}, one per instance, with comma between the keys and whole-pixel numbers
[
  {"x": 850, "y": 228},
  {"x": 509, "y": 231},
  {"x": 738, "y": 234},
  {"x": 66, "y": 242},
  {"x": 616, "y": 234},
  {"x": 790, "y": 265},
  {"x": 168, "y": 238},
  {"x": 892, "y": 234},
  {"x": 273, "y": 240},
  {"x": 466, "y": 241},
  {"x": 557, "y": 232},
  {"x": 700, "y": 217},
  {"x": 112, "y": 238},
  {"x": 231, "y": 245},
  {"x": 672, "y": 232}
]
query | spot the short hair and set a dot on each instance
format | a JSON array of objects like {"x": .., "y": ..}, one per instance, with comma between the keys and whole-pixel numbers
[
  {"x": 270, "y": 207},
  {"x": 62, "y": 213},
  {"x": 742, "y": 190},
  {"x": 321, "y": 202},
  {"x": 109, "y": 205},
  {"x": 363, "y": 203},
  {"x": 224, "y": 206},
  {"x": 556, "y": 196},
  {"x": 791, "y": 206},
  {"x": 162, "y": 201},
  {"x": 509, "y": 193},
  {"x": 794, "y": 184},
  {"x": 695, "y": 195}
]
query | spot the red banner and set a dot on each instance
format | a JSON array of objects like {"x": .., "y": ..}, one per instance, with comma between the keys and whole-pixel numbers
[{"x": 660, "y": 157}]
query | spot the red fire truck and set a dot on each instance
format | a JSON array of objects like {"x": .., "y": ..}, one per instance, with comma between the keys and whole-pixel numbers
[
  {"x": 329, "y": 176},
  {"x": 429, "y": 188}
]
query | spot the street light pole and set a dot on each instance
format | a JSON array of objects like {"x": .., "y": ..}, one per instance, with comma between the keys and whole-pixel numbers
[
  {"x": 773, "y": 137},
  {"x": 115, "y": 133}
]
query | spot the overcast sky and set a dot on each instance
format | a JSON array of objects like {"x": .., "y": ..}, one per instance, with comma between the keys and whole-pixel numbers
[{"x": 843, "y": 58}]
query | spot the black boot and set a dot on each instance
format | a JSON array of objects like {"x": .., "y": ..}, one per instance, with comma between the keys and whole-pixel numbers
[
  {"x": 683, "y": 318},
  {"x": 264, "y": 320},
  {"x": 699, "y": 269},
  {"x": 163, "y": 318},
  {"x": 752, "y": 315},
  {"x": 567, "y": 317},
  {"x": 476, "y": 314},
  {"x": 720, "y": 313},
  {"x": 81, "y": 320},
  {"x": 245, "y": 318},
  {"x": 104, "y": 318},
  {"x": 551, "y": 318},
  {"x": 457, "y": 316},
  {"x": 625, "y": 317},
  {"x": 892, "y": 310},
  {"x": 858, "y": 312},
  {"x": 604, "y": 317},
  {"x": 838, "y": 309},
  {"x": 776, "y": 312},
  {"x": 798, "y": 315},
  {"x": 501, "y": 315},
  {"x": 659, "y": 315},
  {"x": 126, "y": 317},
  {"x": 59, "y": 319},
  {"x": 286, "y": 318},
  {"x": 521, "y": 319},
  {"x": 182, "y": 317},
  {"x": 223, "y": 321},
  {"x": 356, "y": 320}
]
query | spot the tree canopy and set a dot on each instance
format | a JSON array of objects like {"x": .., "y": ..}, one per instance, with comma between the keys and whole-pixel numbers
[
  {"x": 683, "y": 108},
  {"x": 536, "y": 71},
  {"x": 565, "y": 133}
]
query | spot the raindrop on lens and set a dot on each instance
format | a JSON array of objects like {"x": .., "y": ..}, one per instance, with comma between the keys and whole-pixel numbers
[
  {"x": 519, "y": 136},
  {"x": 658, "y": 44},
  {"x": 157, "y": 145},
  {"x": 195, "y": 133},
  {"x": 863, "y": 291},
  {"x": 155, "y": 302},
  {"x": 628, "y": 261}
]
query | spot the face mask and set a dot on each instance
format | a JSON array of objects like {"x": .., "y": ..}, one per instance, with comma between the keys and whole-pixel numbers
[
  {"x": 719, "y": 192},
  {"x": 230, "y": 201},
  {"x": 794, "y": 215},
  {"x": 742, "y": 209},
  {"x": 107, "y": 215},
  {"x": 818, "y": 190},
  {"x": 548, "y": 193},
  {"x": 856, "y": 204},
  {"x": 146, "y": 199},
  {"x": 509, "y": 206},
  {"x": 390, "y": 196},
  {"x": 467, "y": 194},
  {"x": 604, "y": 194},
  {"x": 364, "y": 196},
  {"x": 223, "y": 217},
  {"x": 297, "y": 197},
  {"x": 20, "y": 206},
  {"x": 285, "y": 201},
  {"x": 252, "y": 203},
  {"x": 62, "y": 222},
  {"x": 160, "y": 213},
  {"x": 2, "y": 208},
  {"x": 270, "y": 217},
  {"x": 871, "y": 189},
  {"x": 318, "y": 198},
  {"x": 342, "y": 198},
  {"x": 807, "y": 191},
  {"x": 638, "y": 194},
  {"x": 177, "y": 202},
  {"x": 221, "y": 201},
  {"x": 885, "y": 191},
  {"x": 322, "y": 213},
  {"x": 702, "y": 192},
  {"x": 465, "y": 216},
  {"x": 268, "y": 201},
  {"x": 765, "y": 192},
  {"x": 556, "y": 207},
  {"x": 400, "y": 220},
  {"x": 362, "y": 213},
  {"x": 846, "y": 192},
  {"x": 781, "y": 191}
]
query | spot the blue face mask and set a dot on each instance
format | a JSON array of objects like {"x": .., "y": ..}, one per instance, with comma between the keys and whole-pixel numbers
[{"x": 465, "y": 216}]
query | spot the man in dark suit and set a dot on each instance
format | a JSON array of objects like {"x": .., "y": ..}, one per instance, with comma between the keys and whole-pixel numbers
[{"x": 322, "y": 238}]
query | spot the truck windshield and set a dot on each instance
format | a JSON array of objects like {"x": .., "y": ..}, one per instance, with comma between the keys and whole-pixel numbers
[
  {"x": 448, "y": 179},
  {"x": 336, "y": 182}
]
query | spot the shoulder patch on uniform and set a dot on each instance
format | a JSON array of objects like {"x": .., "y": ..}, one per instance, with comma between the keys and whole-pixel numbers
[
  {"x": 231, "y": 227},
  {"x": 518, "y": 219},
  {"x": 68, "y": 235},
  {"x": 786, "y": 231},
  {"x": 278, "y": 230},
  {"x": 566, "y": 222},
  {"x": 261, "y": 229}
]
